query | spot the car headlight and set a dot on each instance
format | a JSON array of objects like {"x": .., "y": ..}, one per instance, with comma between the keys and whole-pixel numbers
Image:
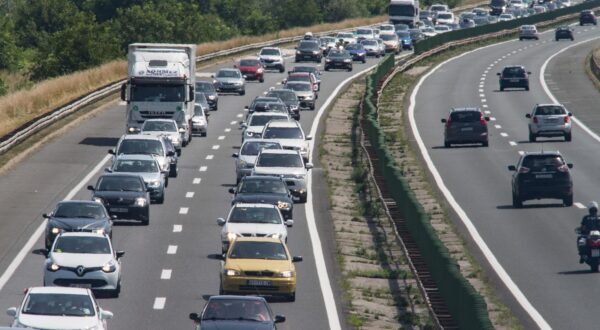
[
  {"x": 283, "y": 205},
  {"x": 140, "y": 201},
  {"x": 286, "y": 274},
  {"x": 163, "y": 166},
  {"x": 99, "y": 231},
  {"x": 98, "y": 200},
  {"x": 211, "y": 97},
  {"x": 231, "y": 272},
  {"x": 154, "y": 184},
  {"x": 53, "y": 267},
  {"x": 249, "y": 134},
  {"x": 109, "y": 267},
  {"x": 276, "y": 236},
  {"x": 308, "y": 97},
  {"x": 327, "y": 60},
  {"x": 259, "y": 70},
  {"x": 315, "y": 52},
  {"x": 303, "y": 149},
  {"x": 232, "y": 236},
  {"x": 347, "y": 60},
  {"x": 55, "y": 230},
  {"x": 298, "y": 52},
  {"x": 133, "y": 130}
]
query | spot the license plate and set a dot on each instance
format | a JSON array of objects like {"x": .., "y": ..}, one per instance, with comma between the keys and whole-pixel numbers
[
  {"x": 466, "y": 129},
  {"x": 81, "y": 285},
  {"x": 259, "y": 283},
  {"x": 514, "y": 80},
  {"x": 543, "y": 176},
  {"x": 118, "y": 209},
  {"x": 595, "y": 253}
]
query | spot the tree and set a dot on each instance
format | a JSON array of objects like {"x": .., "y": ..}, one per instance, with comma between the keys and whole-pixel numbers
[{"x": 8, "y": 46}]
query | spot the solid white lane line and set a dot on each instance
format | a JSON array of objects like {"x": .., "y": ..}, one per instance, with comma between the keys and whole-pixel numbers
[
  {"x": 503, "y": 134},
  {"x": 209, "y": 157},
  {"x": 159, "y": 302},
  {"x": 166, "y": 274},
  {"x": 183, "y": 210},
  {"x": 227, "y": 130},
  {"x": 579, "y": 205},
  {"x": 222, "y": 137},
  {"x": 189, "y": 194},
  {"x": 512, "y": 143},
  {"x": 12, "y": 267},
  {"x": 177, "y": 228},
  {"x": 203, "y": 168},
  {"x": 196, "y": 181},
  {"x": 216, "y": 147},
  {"x": 172, "y": 249},
  {"x": 498, "y": 126}
]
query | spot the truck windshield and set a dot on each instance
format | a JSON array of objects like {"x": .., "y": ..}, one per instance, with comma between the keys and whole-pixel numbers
[
  {"x": 402, "y": 10},
  {"x": 158, "y": 93}
]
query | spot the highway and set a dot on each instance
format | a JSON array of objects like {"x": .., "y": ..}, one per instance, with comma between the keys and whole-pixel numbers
[
  {"x": 169, "y": 268},
  {"x": 535, "y": 245}
]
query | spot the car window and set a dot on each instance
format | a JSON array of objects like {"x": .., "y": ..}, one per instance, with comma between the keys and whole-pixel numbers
[
  {"x": 198, "y": 111},
  {"x": 283, "y": 95},
  {"x": 159, "y": 126},
  {"x": 283, "y": 133},
  {"x": 236, "y": 309},
  {"x": 79, "y": 210},
  {"x": 299, "y": 87},
  {"x": 81, "y": 244},
  {"x": 279, "y": 160},
  {"x": 58, "y": 304},
  {"x": 308, "y": 45},
  {"x": 542, "y": 162},
  {"x": 119, "y": 183},
  {"x": 205, "y": 87},
  {"x": 388, "y": 37},
  {"x": 142, "y": 147},
  {"x": 136, "y": 166},
  {"x": 549, "y": 110},
  {"x": 266, "y": 215},
  {"x": 249, "y": 63},
  {"x": 254, "y": 147},
  {"x": 465, "y": 116},
  {"x": 270, "y": 52},
  {"x": 299, "y": 78},
  {"x": 263, "y": 187},
  {"x": 355, "y": 47},
  {"x": 263, "y": 120},
  {"x": 368, "y": 42},
  {"x": 228, "y": 74},
  {"x": 258, "y": 250},
  {"x": 364, "y": 31},
  {"x": 513, "y": 72}
]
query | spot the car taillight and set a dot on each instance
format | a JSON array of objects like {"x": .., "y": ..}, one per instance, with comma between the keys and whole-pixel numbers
[
  {"x": 566, "y": 119},
  {"x": 523, "y": 170},
  {"x": 563, "y": 168},
  {"x": 482, "y": 120},
  {"x": 535, "y": 120},
  {"x": 449, "y": 123}
]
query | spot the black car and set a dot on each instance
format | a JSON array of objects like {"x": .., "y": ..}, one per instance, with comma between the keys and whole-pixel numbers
[
  {"x": 514, "y": 77},
  {"x": 587, "y": 17},
  {"x": 261, "y": 99},
  {"x": 563, "y": 32},
  {"x": 289, "y": 98},
  {"x": 264, "y": 189},
  {"x": 465, "y": 125},
  {"x": 498, "y": 7},
  {"x": 338, "y": 59},
  {"x": 541, "y": 175},
  {"x": 173, "y": 159},
  {"x": 77, "y": 215},
  {"x": 124, "y": 196},
  {"x": 236, "y": 312},
  {"x": 309, "y": 50},
  {"x": 212, "y": 97}
]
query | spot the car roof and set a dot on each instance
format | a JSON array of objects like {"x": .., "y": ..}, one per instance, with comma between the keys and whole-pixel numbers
[
  {"x": 162, "y": 119},
  {"x": 230, "y": 297},
  {"x": 258, "y": 141},
  {"x": 82, "y": 234},
  {"x": 122, "y": 174},
  {"x": 140, "y": 137},
  {"x": 465, "y": 109},
  {"x": 543, "y": 152},
  {"x": 280, "y": 152},
  {"x": 299, "y": 82},
  {"x": 58, "y": 289},
  {"x": 260, "y": 114},
  {"x": 282, "y": 123},
  {"x": 299, "y": 74},
  {"x": 78, "y": 201},
  {"x": 259, "y": 239},
  {"x": 262, "y": 177},
  {"x": 254, "y": 205},
  {"x": 549, "y": 104},
  {"x": 287, "y": 90},
  {"x": 135, "y": 157},
  {"x": 229, "y": 69},
  {"x": 513, "y": 66}
]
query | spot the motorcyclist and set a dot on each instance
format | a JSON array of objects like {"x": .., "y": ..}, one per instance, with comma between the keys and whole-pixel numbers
[
  {"x": 590, "y": 222},
  {"x": 308, "y": 36}
]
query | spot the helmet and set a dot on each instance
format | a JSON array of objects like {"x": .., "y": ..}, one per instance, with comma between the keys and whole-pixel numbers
[
  {"x": 593, "y": 207},
  {"x": 308, "y": 35},
  {"x": 595, "y": 233}
]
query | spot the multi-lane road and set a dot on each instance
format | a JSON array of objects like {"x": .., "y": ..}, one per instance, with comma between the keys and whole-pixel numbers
[
  {"x": 534, "y": 245},
  {"x": 169, "y": 269}
]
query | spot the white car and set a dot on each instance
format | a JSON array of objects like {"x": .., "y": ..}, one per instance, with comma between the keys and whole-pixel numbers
[
  {"x": 387, "y": 29},
  {"x": 59, "y": 308},
  {"x": 346, "y": 38},
  {"x": 365, "y": 34},
  {"x": 438, "y": 7},
  {"x": 444, "y": 17},
  {"x": 517, "y": 4},
  {"x": 428, "y": 31},
  {"x": 272, "y": 58},
  {"x": 200, "y": 120},
  {"x": 253, "y": 220},
  {"x": 290, "y": 135},
  {"x": 246, "y": 158},
  {"x": 165, "y": 127},
  {"x": 505, "y": 17},
  {"x": 441, "y": 29},
  {"x": 256, "y": 123},
  {"x": 132, "y": 144},
  {"x": 565, "y": 3}
]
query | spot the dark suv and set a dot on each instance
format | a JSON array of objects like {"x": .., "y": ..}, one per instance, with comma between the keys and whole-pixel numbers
[
  {"x": 587, "y": 17},
  {"x": 514, "y": 77},
  {"x": 465, "y": 125},
  {"x": 563, "y": 32},
  {"x": 309, "y": 50},
  {"x": 264, "y": 189},
  {"x": 541, "y": 175}
]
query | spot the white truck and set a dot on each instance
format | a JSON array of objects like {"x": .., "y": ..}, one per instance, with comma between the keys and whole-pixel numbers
[
  {"x": 160, "y": 84},
  {"x": 404, "y": 12}
]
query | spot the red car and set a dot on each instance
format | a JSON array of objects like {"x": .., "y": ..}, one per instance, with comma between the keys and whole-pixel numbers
[{"x": 252, "y": 69}]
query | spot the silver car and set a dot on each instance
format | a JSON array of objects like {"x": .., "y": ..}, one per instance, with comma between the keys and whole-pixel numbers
[
  {"x": 200, "y": 120},
  {"x": 272, "y": 58},
  {"x": 549, "y": 120},
  {"x": 345, "y": 38},
  {"x": 528, "y": 32},
  {"x": 230, "y": 81},
  {"x": 257, "y": 121},
  {"x": 305, "y": 93},
  {"x": 290, "y": 135},
  {"x": 165, "y": 127},
  {"x": 253, "y": 220},
  {"x": 148, "y": 168},
  {"x": 373, "y": 48},
  {"x": 84, "y": 260},
  {"x": 245, "y": 159},
  {"x": 146, "y": 145}
]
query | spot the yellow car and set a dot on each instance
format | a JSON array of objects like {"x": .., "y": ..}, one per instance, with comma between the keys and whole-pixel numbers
[{"x": 259, "y": 265}]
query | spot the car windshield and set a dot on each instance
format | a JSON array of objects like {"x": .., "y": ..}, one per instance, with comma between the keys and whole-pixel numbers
[
  {"x": 254, "y": 147},
  {"x": 528, "y": 28},
  {"x": 550, "y": 110},
  {"x": 337, "y": 54},
  {"x": 299, "y": 77},
  {"x": 403, "y": 34},
  {"x": 308, "y": 45},
  {"x": 80, "y": 210},
  {"x": 270, "y": 52},
  {"x": 136, "y": 166},
  {"x": 263, "y": 187},
  {"x": 267, "y": 215},
  {"x": 258, "y": 250},
  {"x": 345, "y": 35},
  {"x": 81, "y": 244},
  {"x": 249, "y": 63},
  {"x": 279, "y": 160},
  {"x": 388, "y": 37},
  {"x": 310, "y": 69},
  {"x": 269, "y": 106},
  {"x": 444, "y": 16},
  {"x": 354, "y": 47},
  {"x": 513, "y": 72},
  {"x": 205, "y": 87},
  {"x": 159, "y": 126},
  {"x": 386, "y": 28},
  {"x": 542, "y": 162},
  {"x": 119, "y": 183},
  {"x": 283, "y": 133},
  {"x": 236, "y": 309},
  {"x": 141, "y": 147},
  {"x": 369, "y": 43},
  {"x": 263, "y": 120},
  {"x": 198, "y": 111},
  {"x": 364, "y": 32},
  {"x": 299, "y": 87},
  {"x": 58, "y": 304},
  {"x": 465, "y": 116},
  {"x": 157, "y": 93},
  {"x": 228, "y": 74},
  {"x": 283, "y": 95}
]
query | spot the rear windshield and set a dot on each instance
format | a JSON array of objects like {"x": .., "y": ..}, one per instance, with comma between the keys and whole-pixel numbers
[
  {"x": 270, "y": 51},
  {"x": 263, "y": 187},
  {"x": 465, "y": 116},
  {"x": 444, "y": 16},
  {"x": 255, "y": 215},
  {"x": 263, "y": 120},
  {"x": 252, "y": 148},
  {"x": 283, "y": 133},
  {"x": 258, "y": 250},
  {"x": 283, "y": 95},
  {"x": 143, "y": 147},
  {"x": 513, "y": 72},
  {"x": 279, "y": 160},
  {"x": 388, "y": 37},
  {"x": 542, "y": 162},
  {"x": 249, "y": 62},
  {"x": 549, "y": 110},
  {"x": 119, "y": 183},
  {"x": 355, "y": 47}
]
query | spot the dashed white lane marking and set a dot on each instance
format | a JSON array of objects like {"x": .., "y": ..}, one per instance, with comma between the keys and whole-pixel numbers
[
  {"x": 159, "y": 303},
  {"x": 578, "y": 32},
  {"x": 189, "y": 194},
  {"x": 122, "y": 103},
  {"x": 504, "y": 134},
  {"x": 222, "y": 137},
  {"x": 487, "y": 112},
  {"x": 486, "y": 71},
  {"x": 166, "y": 274},
  {"x": 216, "y": 147},
  {"x": 482, "y": 78},
  {"x": 196, "y": 181},
  {"x": 177, "y": 228},
  {"x": 579, "y": 205},
  {"x": 240, "y": 115},
  {"x": 209, "y": 157},
  {"x": 227, "y": 130},
  {"x": 498, "y": 126},
  {"x": 500, "y": 59},
  {"x": 203, "y": 168},
  {"x": 233, "y": 122},
  {"x": 481, "y": 95},
  {"x": 493, "y": 118},
  {"x": 484, "y": 75},
  {"x": 172, "y": 249},
  {"x": 514, "y": 51},
  {"x": 483, "y": 100},
  {"x": 485, "y": 105},
  {"x": 512, "y": 143},
  {"x": 481, "y": 91},
  {"x": 183, "y": 210}
]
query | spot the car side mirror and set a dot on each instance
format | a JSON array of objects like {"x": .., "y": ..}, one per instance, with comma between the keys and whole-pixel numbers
[
  {"x": 244, "y": 125},
  {"x": 245, "y": 76},
  {"x": 170, "y": 154},
  {"x": 231, "y": 190},
  {"x": 235, "y": 155},
  {"x": 106, "y": 315},
  {"x": 528, "y": 115},
  {"x": 512, "y": 168},
  {"x": 120, "y": 254},
  {"x": 91, "y": 188},
  {"x": 498, "y": 74},
  {"x": 182, "y": 130},
  {"x": 309, "y": 166},
  {"x": 570, "y": 114},
  {"x": 114, "y": 217},
  {"x": 444, "y": 120},
  {"x": 220, "y": 221},
  {"x": 111, "y": 151},
  {"x": 246, "y": 107},
  {"x": 289, "y": 222},
  {"x": 308, "y": 138},
  {"x": 195, "y": 317},
  {"x": 12, "y": 311},
  {"x": 212, "y": 75},
  {"x": 486, "y": 118},
  {"x": 107, "y": 170},
  {"x": 45, "y": 216},
  {"x": 297, "y": 259},
  {"x": 577, "y": 231},
  {"x": 569, "y": 165},
  {"x": 279, "y": 318}
]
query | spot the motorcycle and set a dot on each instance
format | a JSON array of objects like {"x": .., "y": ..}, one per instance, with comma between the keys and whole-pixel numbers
[{"x": 591, "y": 245}]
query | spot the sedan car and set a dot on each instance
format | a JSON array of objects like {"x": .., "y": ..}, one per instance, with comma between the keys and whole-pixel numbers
[
  {"x": 256, "y": 122},
  {"x": 252, "y": 69},
  {"x": 303, "y": 76},
  {"x": 246, "y": 158},
  {"x": 253, "y": 220},
  {"x": 289, "y": 98},
  {"x": 208, "y": 88},
  {"x": 465, "y": 125},
  {"x": 147, "y": 167},
  {"x": 84, "y": 260},
  {"x": 364, "y": 34},
  {"x": 59, "y": 308},
  {"x": 372, "y": 48},
  {"x": 326, "y": 44},
  {"x": 124, "y": 196},
  {"x": 563, "y": 32},
  {"x": 165, "y": 127},
  {"x": 338, "y": 59},
  {"x": 345, "y": 38},
  {"x": 290, "y": 135},
  {"x": 549, "y": 120},
  {"x": 528, "y": 32},
  {"x": 309, "y": 69},
  {"x": 200, "y": 120},
  {"x": 230, "y": 81},
  {"x": 79, "y": 216},
  {"x": 392, "y": 43},
  {"x": 304, "y": 92},
  {"x": 287, "y": 164},
  {"x": 514, "y": 76},
  {"x": 272, "y": 58},
  {"x": 264, "y": 189},
  {"x": 357, "y": 51},
  {"x": 236, "y": 312},
  {"x": 540, "y": 175},
  {"x": 308, "y": 50},
  {"x": 260, "y": 265},
  {"x": 148, "y": 145},
  {"x": 406, "y": 41},
  {"x": 444, "y": 17},
  {"x": 587, "y": 17}
]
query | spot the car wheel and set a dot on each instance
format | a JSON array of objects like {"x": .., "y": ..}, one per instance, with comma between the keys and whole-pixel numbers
[
  {"x": 568, "y": 137},
  {"x": 326, "y": 68},
  {"x": 532, "y": 137},
  {"x": 447, "y": 144},
  {"x": 520, "y": 39},
  {"x": 572, "y": 38},
  {"x": 173, "y": 172},
  {"x": 292, "y": 297},
  {"x": 501, "y": 88},
  {"x": 161, "y": 200},
  {"x": 350, "y": 69},
  {"x": 593, "y": 265},
  {"x": 377, "y": 56},
  {"x": 178, "y": 152},
  {"x": 556, "y": 39},
  {"x": 516, "y": 201},
  {"x": 146, "y": 219},
  {"x": 526, "y": 88},
  {"x": 568, "y": 201},
  {"x": 243, "y": 92},
  {"x": 485, "y": 143},
  {"x": 281, "y": 69},
  {"x": 312, "y": 107},
  {"x": 261, "y": 80},
  {"x": 364, "y": 61},
  {"x": 116, "y": 292},
  {"x": 221, "y": 291}
]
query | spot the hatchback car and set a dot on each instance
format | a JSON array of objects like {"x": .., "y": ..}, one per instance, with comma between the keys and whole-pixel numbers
[
  {"x": 563, "y": 32},
  {"x": 549, "y": 120},
  {"x": 200, "y": 120},
  {"x": 290, "y": 135},
  {"x": 303, "y": 76},
  {"x": 260, "y": 265},
  {"x": 147, "y": 167},
  {"x": 78, "y": 216},
  {"x": 124, "y": 196},
  {"x": 345, "y": 38},
  {"x": 272, "y": 58},
  {"x": 208, "y": 88},
  {"x": 59, "y": 308},
  {"x": 587, "y": 17},
  {"x": 264, "y": 189},
  {"x": 540, "y": 175},
  {"x": 147, "y": 145},
  {"x": 167, "y": 128},
  {"x": 246, "y": 158},
  {"x": 528, "y": 32},
  {"x": 357, "y": 51},
  {"x": 287, "y": 164},
  {"x": 326, "y": 44},
  {"x": 365, "y": 34},
  {"x": 256, "y": 122},
  {"x": 372, "y": 48},
  {"x": 465, "y": 125},
  {"x": 310, "y": 69},
  {"x": 289, "y": 98},
  {"x": 304, "y": 92},
  {"x": 406, "y": 41},
  {"x": 444, "y": 17},
  {"x": 252, "y": 69},
  {"x": 230, "y": 81},
  {"x": 338, "y": 59},
  {"x": 84, "y": 260},
  {"x": 514, "y": 77},
  {"x": 309, "y": 50},
  {"x": 392, "y": 43},
  {"x": 386, "y": 29}
]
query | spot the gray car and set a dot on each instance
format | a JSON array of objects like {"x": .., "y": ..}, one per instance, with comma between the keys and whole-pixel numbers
[
  {"x": 305, "y": 93},
  {"x": 245, "y": 159},
  {"x": 549, "y": 120},
  {"x": 200, "y": 120},
  {"x": 230, "y": 81},
  {"x": 372, "y": 47},
  {"x": 210, "y": 92},
  {"x": 147, "y": 167},
  {"x": 465, "y": 126},
  {"x": 528, "y": 32}
]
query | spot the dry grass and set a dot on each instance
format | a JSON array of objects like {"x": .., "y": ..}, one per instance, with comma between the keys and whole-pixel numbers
[{"x": 19, "y": 107}]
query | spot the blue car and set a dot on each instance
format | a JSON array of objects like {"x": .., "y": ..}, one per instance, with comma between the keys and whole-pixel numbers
[
  {"x": 357, "y": 51},
  {"x": 405, "y": 39}
]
